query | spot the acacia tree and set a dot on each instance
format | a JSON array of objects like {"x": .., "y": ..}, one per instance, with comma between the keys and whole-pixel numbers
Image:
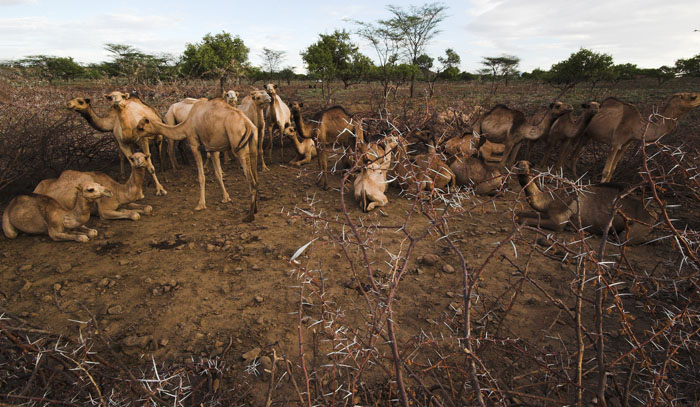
[
  {"x": 272, "y": 60},
  {"x": 414, "y": 28},
  {"x": 218, "y": 56},
  {"x": 583, "y": 65},
  {"x": 50, "y": 67},
  {"x": 386, "y": 43},
  {"x": 501, "y": 67},
  {"x": 333, "y": 56},
  {"x": 689, "y": 67}
]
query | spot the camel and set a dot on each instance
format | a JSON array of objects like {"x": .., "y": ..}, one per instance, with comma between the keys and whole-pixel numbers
[
  {"x": 504, "y": 125},
  {"x": 218, "y": 127},
  {"x": 329, "y": 127},
  {"x": 62, "y": 190},
  {"x": 177, "y": 113},
  {"x": 278, "y": 116},
  {"x": 568, "y": 130},
  {"x": 306, "y": 148},
  {"x": 231, "y": 97},
  {"x": 39, "y": 214},
  {"x": 618, "y": 124},
  {"x": 426, "y": 170},
  {"x": 370, "y": 184},
  {"x": 464, "y": 146},
  {"x": 254, "y": 106},
  {"x": 474, "y": 171},
  {"x": 592, "y": 204}
]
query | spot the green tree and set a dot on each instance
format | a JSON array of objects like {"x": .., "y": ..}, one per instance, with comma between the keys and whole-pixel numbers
[
  {"x": 661, "y": 74},
  {"x": 689, "y": 67},
  {"x": 536, "y": 74},
  {"x": 331, "y": 57},
  {"x": 287, "y": 74},
  {"x": 217, "y": 56},
  {"x": 450, "y": 64},
  {"x": 625, "y": 71},
  {"x": 136, "y": 66},
  {"x": 415, "y": 28},
  {"x": 386, "y": 43},
  {"x": 501, "y": 67},
  {"x": 50, "y": 67},
  {"x": 582, "y": 66},
  {"x": 272, "y": 60}
]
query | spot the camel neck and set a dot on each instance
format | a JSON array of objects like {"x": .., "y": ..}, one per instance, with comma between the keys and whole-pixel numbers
[
  {"x": 81, "y": 208},
  {"x": 134, "y": 183},
  {"x": 98, "y": 122},
  {"x": 301, "y": 126},
  {"x": 535, "y": 197},
  {"x": 176, "y": 132}
]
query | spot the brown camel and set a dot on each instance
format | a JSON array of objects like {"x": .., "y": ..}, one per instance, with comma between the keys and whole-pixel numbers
[
  {"x": 62, "y": 189},
  {"x": 306, "y": 148},
  {"x": 618, "y": 124},
  {"x": 592, "y": 204},
  {"x": 177, "y": 113},
  {"x": 254, "y": 106},
  {"x": 507, "y": 126},
  {"x": 278, "y": 116},
  {"x": 567, "y": 130},
  {"x": 41, "y": 214},
  {"x": 330, "y": 127},
  {"x": 473, "y": 171},
  {"x": 218, "y": 127},
  {"x": 428, "y": 170}
]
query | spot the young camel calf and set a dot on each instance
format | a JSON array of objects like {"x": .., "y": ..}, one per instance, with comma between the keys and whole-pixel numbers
[
  {"x": 306, "y": 148},
  {"x": 370, "y": 185},
  {"x": 40, "y": 214},
  {"x": 593, "y": 205},
  {"x": 61, "y": 189}
]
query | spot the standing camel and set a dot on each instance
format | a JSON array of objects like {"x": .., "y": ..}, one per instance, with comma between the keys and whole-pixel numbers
[
  {"x": 618, "y": 124},
  {"x": 254, "y": 106},
  {"x": 218, "y": 127},
  {"x": 508, "y": 126},
  {"x": 568, "y": 130},
  {"x": 328, "y": 127},
  {"x": 278, "y": 116},
  {"x": 177, "y": 113}
]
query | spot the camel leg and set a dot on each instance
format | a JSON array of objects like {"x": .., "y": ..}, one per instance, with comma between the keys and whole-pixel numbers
[
  {"x": 171, "y": 154},
  {"x": 544, "y": 223},
  {"x": 89, "y": 232},
  {"x": 563, "y": 154},
  {"x": 607, "y": 170},
  {"x": 216, "y": 163},
  {"x": 261, "y": 150},
  {"x": 143, "y": 143},
  {"x": 122, "y": 168},
  {"x": 323, "y": 165},
  {"x": 514, "y": 153},
  {"x": 57, "y": 234},
  {"x": 244, "y": 159},
  {"x": 581, "y": 142},
  {"x": 200, "y": 176},
  {"x": 115, "y": 214},
  {"x": 547, "y": 153},
  {"x": 619, "y": 155},
  {"x": 145, "y": 209}
]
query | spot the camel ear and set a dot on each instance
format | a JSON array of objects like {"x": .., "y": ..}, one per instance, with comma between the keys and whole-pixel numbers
[
  {"x": 301, "y": 104},
  {"x": 79, "y": 188},
  {"x": 87, "y": 100},
  {"x": 276, "y": 87},
  {"x": 147, "y": 156},
  {"x": 126, "y": 95}
]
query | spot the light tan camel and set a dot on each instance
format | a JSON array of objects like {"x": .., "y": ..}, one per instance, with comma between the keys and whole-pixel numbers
[
  {"x": 510, "y": 127},
  {"x": 330, "y": 127},
  {"x": 618, "y": 124},
  {"x": 592, "y": 204},
  {"x": 218, "y": 127},
  {"x": 371, "y": 183},
  {"x": 177, "y": 113},
  {"x": 254, "y": 106},
  {"x": 278, "y": 116},
  {"x": 39, "y": 214},
  {"x": 62, "y": 189},
  {"x": 231, "y": 97},
  {"x": 473, "y": 171},
  {"x": 567, "y": 130},
  {"x": 306, "y": 148},
  {"x": 429, "y": 171}
]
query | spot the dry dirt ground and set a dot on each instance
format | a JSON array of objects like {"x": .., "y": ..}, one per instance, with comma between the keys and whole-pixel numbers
[{"x": 181, "y": 283}]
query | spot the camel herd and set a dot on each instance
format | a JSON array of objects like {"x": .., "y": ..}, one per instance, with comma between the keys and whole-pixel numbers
[{"x": 479, "y": 159}]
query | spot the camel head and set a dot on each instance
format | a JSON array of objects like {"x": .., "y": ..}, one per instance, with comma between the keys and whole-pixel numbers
[
  {"x": 290, "y": 131},
  {"x": 558, "y": 108},
  {"x": 261, "y": 98},
  {"x": 591, "y": 107},
  {"x": 271, "y": 89},
  {"x": 231, "y": 97},
  {"x": 139, "y": 160},
  {"x": 78, "y": 104},
  {"x": 684, "y": 102},
  {"x": 145, "y": 128},
  {"x": 523, "y": 169},
  {"x": 117, "y": 99},
  {"x": 296, "y": 106},
  {"x": 93, "y": 191}
]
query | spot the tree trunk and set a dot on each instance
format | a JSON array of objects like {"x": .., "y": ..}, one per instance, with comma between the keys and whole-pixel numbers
[{"x": 413, "y": 81}]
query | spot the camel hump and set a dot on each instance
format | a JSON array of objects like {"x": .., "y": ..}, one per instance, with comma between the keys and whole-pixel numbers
[{"x": 338, "y": 107}]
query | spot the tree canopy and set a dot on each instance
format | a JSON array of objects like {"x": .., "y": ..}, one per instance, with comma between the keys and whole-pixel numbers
[
  {"x": 216, "y": 56},
  {"x": 583, "y": 65}
]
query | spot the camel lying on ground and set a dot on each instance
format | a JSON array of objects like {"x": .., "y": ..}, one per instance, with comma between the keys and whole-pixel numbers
[
  {"x": 218, "y": 127},
  {"x": 328, "y": 127},
  {"x": 370, "y": 184},
  {"x": 618, "y": 124},
  {"x": 62, "y": 189},
  {"x": 475, "y": 172},
  {"x": 428, "y": 171},
  {"x": 592, "y": 204},
  {"x": 306, "y": 148},
  {"x": 40, "y": 214},
  {"x": 568, "y": 130},
  {"x": 278, "y": 116},
  {"x": 254, "y": 106},
  {"x": 508, "y": 126}
]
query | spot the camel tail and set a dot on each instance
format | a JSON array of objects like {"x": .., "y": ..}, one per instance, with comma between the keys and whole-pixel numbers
[
  {"x": 364, "y": 200},
  {"x": 7, "y": 227}
]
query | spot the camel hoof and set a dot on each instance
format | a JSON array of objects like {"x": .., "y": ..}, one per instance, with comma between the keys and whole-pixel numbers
[
  {"x": 161, "y": 192},
  {"x": 249, "y": 219},
  {"x": 200, "y": 207},
  {"x": 148, "y": 210},
  {"x": 135, "y": 216},
  {"x": 92, "y": 233},
  {"x": 226, "y": 200},
  {"x": 83, "y": 239},
  {"x": 265, "y": 168}
]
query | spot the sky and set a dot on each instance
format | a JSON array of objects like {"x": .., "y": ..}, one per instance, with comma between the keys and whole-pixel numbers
[{"x": 540, "y": 32}]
